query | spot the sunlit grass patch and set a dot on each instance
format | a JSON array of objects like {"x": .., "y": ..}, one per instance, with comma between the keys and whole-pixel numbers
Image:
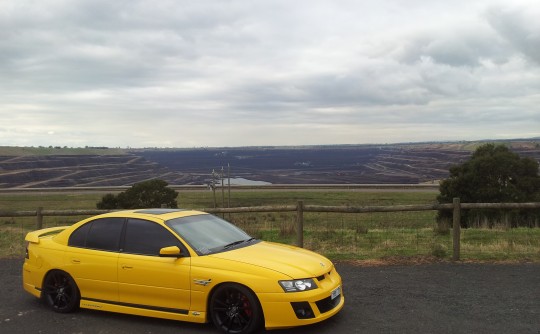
[{"x": 516, "y": 243}]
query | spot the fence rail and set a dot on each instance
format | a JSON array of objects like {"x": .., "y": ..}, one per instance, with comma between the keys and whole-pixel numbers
[{"x": 300, "y": 209}]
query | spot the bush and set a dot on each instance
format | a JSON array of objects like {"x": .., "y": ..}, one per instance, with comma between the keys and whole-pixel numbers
[
  {"x": 146, "y": 194},
  {"x": 108, "y": 202},
  {"x": 439, "y": 251},
  {"x": 442, "y": 227},
  {"x": 493, "y": 174}
]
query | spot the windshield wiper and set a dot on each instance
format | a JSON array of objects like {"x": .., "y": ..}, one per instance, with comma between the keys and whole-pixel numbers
[{"x": 227, "y": 246}]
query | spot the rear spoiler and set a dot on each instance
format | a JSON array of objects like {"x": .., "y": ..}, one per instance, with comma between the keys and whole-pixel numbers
[{"x": 34, "y": 236}]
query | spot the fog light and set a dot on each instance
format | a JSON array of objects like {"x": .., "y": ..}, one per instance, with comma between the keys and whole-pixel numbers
[{"x": 302, "y": 310}]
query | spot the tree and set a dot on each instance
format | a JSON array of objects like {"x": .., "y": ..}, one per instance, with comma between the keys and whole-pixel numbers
[
  {"x": 108, "y": 202},
  {"x": 493, "y": 174},
  {"x": 146, "y": 194}
]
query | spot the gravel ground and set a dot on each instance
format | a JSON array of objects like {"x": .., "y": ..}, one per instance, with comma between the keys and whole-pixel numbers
[{"x": 427, "y": 298}]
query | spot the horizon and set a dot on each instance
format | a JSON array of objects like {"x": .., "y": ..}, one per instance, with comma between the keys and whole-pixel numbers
[{"x": 89, "y": 147}]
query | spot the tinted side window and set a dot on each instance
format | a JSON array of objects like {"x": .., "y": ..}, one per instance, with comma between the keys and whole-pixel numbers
[
  {"x": 105, "y": 234},
  {"x": 78, "y": 237},
  {"x": 147, "y": 238}
]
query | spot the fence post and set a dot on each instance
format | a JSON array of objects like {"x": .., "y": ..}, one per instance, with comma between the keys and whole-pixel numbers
[
  {"x": 300, "y": 224},
  {"x": 456, "y": 229},
  {"x": 39, "y": 218}
]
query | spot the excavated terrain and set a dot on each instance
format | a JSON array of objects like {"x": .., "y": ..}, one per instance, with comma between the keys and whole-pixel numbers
[{"x": 340, "y": 164}]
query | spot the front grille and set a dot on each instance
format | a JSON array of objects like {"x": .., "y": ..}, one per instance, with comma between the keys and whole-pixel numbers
[
  {"x": 328, "y": 303},
  {"x": 323, "y": 276}
]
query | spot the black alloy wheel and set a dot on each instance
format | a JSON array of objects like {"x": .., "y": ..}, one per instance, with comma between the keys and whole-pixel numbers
[
  {"x": 235, "y": 309},
  {"x": 60, "y": 292}
]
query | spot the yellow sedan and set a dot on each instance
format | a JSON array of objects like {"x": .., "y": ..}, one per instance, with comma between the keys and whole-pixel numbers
[{"x": 181, "y": 265}]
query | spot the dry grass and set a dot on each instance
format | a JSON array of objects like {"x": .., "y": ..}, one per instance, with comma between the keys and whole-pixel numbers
[{"x": 394, "y": 235}]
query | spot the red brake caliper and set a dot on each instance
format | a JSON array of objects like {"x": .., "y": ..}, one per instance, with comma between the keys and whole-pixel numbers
[{"x": 246, "y": 306}]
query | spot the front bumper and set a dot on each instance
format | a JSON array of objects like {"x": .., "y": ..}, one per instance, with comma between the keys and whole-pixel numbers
[{"x": 283, "y": 310}]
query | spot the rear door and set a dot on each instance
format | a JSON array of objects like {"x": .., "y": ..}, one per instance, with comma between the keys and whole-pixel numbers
[{"x": 93, "y": 258}]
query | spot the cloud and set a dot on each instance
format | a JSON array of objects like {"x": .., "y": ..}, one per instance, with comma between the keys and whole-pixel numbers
[
  {"x": 211, "y": 73},
  {"x": 519, "y": 27}
]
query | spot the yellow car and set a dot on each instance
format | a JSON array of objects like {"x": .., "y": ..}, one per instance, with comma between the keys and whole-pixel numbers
[{"x": 180, "y": 265}]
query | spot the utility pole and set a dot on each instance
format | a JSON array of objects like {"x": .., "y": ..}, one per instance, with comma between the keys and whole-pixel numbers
[
  {"x": 213, "y": 186},
  {"x": 222, "y": 189}
]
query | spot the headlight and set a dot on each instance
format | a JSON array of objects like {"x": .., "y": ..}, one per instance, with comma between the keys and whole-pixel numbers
[{"x": 298, "y": 285}]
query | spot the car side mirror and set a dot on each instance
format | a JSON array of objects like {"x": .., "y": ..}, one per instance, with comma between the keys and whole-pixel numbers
[{"x": 171, "y": 251}]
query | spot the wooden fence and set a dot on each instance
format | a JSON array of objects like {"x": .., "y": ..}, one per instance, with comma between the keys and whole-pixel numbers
[{"x": 300, "y": 208}]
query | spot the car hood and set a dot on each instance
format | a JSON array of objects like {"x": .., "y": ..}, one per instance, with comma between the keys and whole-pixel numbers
[{"x": 289, "y": 260}]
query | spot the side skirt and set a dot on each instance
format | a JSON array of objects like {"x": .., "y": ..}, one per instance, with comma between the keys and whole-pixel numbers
[{"x": 143, "y": 310}]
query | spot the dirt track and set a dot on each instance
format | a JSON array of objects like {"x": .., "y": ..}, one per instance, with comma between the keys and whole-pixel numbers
[{"x": 428, "y": 298}]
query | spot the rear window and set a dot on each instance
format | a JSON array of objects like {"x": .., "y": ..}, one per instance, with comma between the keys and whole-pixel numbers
[{"x": 102, "y": 234}]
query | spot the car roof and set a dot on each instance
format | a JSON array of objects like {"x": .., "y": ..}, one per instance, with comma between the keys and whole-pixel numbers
[{"x": 156, "y": 213}]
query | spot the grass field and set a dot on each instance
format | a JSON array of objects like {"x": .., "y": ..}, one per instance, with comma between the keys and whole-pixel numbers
[{"x": 337, "y": 235}]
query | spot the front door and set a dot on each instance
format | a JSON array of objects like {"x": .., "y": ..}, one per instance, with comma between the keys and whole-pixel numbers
[{"x": 146, "y": 280}]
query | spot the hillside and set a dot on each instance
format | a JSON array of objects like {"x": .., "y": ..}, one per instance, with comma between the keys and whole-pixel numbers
[
  {"x": 77, "y": 170},
  {"x": 341, "y": 164}
]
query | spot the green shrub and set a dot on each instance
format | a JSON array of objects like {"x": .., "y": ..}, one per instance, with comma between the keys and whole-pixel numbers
[
  {"x": 439, "y": 251},
  {"x": 147, "y": 194}
]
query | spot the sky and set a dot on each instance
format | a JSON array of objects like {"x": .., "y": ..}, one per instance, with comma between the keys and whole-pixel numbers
[{"x": 138, "y": 73}]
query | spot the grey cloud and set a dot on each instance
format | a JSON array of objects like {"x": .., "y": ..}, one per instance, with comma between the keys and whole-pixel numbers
[
  {"x": 461, "y": 47},
  {"x": 519, "y": 27},
  {"x": 98, "y": 42},
  {"x": 368, "y": 86},
  {"x": 267, "y": 66}
]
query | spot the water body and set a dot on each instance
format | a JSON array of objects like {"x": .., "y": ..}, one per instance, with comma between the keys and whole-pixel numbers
[{"x": 240, "y": 181}]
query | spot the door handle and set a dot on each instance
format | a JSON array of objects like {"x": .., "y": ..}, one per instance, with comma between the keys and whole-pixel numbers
[
  {"x": 125, "y": 266},
  {"x": 75, "y": 261}
]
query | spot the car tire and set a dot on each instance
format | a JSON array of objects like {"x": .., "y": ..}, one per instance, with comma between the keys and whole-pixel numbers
[
  {"x": 235, "y": 309},
  {"x": 60, "y": 292}
]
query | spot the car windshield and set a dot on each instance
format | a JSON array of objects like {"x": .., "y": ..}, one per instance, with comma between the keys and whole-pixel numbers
[{"x": 208, "y": 234}]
